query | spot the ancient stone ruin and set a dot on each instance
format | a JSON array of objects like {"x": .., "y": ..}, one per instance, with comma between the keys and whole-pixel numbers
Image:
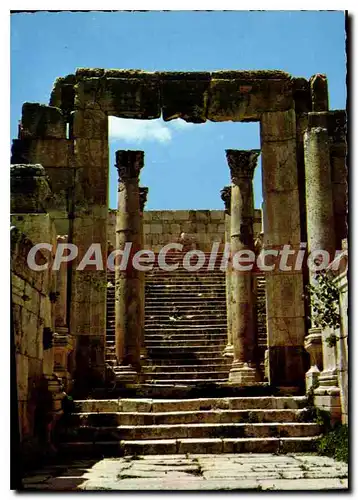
[{"x": 151, "y": 356}]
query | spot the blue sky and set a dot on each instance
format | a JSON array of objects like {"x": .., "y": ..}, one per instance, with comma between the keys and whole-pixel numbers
[{"x": 185, "y": 165}]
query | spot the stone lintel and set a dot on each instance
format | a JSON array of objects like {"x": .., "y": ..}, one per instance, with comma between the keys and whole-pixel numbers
[
  {"x": 251, "y": 75},
  {"x": 242, "y": 163},
  {"x": 226, "y": 197},
  {"x": 185, "y": 97},
  {"x": 129, "y": 163},
  {"x": 40, "y": 121},
  {"x": 319, "y": 92},
  {"x": 143, "y": 193}
]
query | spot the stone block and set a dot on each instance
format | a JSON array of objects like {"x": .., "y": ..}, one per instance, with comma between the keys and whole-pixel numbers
[
  {"x": 180, "y": 215},
  {"x": 213, "y": 228},
  {"x": 46, "y": 152},
  {"x": 319, "y": 92},
  {"x": 92, "y": 153},
  {"x": 277, "y": 156},
  {"x": 40, "y": 121},
  {"x": 278, "y": 126},
  {"x": 287, "y": 288},
  {"x": 62, "y": 182},
  {"x": 89, "y": 124},
  {"x": 63, "y": 94},
  {"x": 217, "y": 215},
  {"x": 156, "y": 229},
  {"x": 282, "y": 230},
  {"x": 22, "y": 375},
  {"x": 90, "y": 365},
  {"x": 146, "y": 228},
  {"x": 245, "y": 99},
  {"x": 175, "y": 229},
  {"x": 185, "y": 95},
  {"x": 202, "y": 215},
  {"x": 286, "y": 331},
  {"x": 30, "y": 189},
  {"x": 91, "y": 190},
  {"x": 133, "y": 97}
]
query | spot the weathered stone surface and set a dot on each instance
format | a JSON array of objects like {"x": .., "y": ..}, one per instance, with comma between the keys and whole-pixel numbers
[
  {"x": 301, "y": 95},
  {"x": 30, "y": 188},
  {"x": 319, "y": 92},
  {"x": 184, "y": 95},
  {"x": 282, "y": 226},
  {"x": 47, "y": 152},
  {"x": 42, "y": 122},
  {"x": 319, "y": 203},
  {"x": 63, "y": 95},
  {"x": 246, "y": 99},
  {"x": 133, "y": 97},
  {"x": 89, "y": 124}
]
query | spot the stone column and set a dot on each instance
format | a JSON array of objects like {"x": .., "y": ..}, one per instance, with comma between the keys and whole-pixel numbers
[
  {"x": 143, "y": 193},
  {"x": 284, "y": 288},
  {"x": 338, "y": 152},
  {"x": 226, "y": 197},
  {"x": 88, "y": 226},
  {"x": 242, "y": 165},
  {"x": 63, "y": 341},
  {"x": 128, "y": 283},
  {"x": 320, "y": 219}
]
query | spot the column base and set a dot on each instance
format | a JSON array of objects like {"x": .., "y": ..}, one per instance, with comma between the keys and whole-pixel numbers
[
  {"x": 313, "y": 345},
  {"x": 312, "y": 377},
  {"x": 228, "y": 351},
  {"x": 242, "y": 374},
  {"x": 125, "y": 374}
]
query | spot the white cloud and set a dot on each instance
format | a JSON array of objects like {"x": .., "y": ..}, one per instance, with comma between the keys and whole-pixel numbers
[
  {"x": 131, "y": 130},
  {"x": 180, "y": 124}
]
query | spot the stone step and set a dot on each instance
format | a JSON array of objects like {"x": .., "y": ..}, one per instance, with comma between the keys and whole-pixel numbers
[
  {"x": 183, "y": 320},
  {"x": 185, "y": 381},
  {"x": 172, "y": 361},
  {"x": 159, "y": 286},
  {"x": 189, "y": 329},
  {"x": 188, "y": 307},
  {"x": 193, "y": 446},
  {"x": 192, "y": 431},
  {"x": 183, "y": 315},
  {"x": 187, "y": 417},
  {"x": 186, "y": 368},
  {"x": 211, "y": 337},
  {"x": 195, "y": 375},
  {"x": 195, "y": 404},
  {"x": 187, "y": 344},
  {"x": 163, "y": 353}
]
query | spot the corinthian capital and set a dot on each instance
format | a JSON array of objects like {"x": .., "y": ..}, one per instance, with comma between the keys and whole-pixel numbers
[
  {"x": 226, "y": 197},
  {"x": 129, "y": 164},
  {"x": 242, "y": 163},
  {"x": 143, "y": 193}
]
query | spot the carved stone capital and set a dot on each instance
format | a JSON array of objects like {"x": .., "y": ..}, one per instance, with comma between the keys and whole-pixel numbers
[
  {"x": 226, "y": 197},
  {"x": 143, "y": 193},
  {"x": 129, "y": 164},
  {"x": 242, "y": 163}
]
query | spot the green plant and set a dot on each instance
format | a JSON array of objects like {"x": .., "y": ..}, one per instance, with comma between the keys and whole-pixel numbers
[
  {"x": 335, "y": 443},
  {"x": 332, "y": 340},
  {"x": 324, "y": 299}
]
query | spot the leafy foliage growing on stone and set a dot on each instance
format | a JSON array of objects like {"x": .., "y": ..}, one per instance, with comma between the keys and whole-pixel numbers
[{"x": 324, "y": 298}]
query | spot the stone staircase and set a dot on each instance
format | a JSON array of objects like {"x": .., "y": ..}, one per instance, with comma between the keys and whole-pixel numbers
[
  {"x": 201, "y": 425},
  {"x": 185, "y": 325},
  {"x": 183, "y": 403}
]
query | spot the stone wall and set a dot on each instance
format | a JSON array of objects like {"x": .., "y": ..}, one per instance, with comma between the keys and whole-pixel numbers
[
  {"x": 32, "y": 323},
  {"x": 161, "y": 227}
]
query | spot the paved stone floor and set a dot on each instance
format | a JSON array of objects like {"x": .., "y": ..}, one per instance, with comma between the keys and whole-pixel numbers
[{"x": 194, "y": 472}]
